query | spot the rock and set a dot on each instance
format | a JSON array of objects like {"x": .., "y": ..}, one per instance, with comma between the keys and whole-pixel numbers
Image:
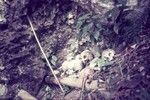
[
  {"x": 70, "y": 16},
  {"x": 86, "y": 72},
  {"x": 56, "y": 72},
  {"x": 3, "y": 90},
  {"x": 132, "y": 2},
  {"x": 99, "y": 63},
  {"x": 1, "y": 65},
  {"x": 70, "y": 72},
  {"x": 24, "y": 95},
  {"x": 71, "y": 21},
  {"x": 2, "y": 18},
  {"x": 73, "y": 95},
  {"x": 141, "y": 68},
  {"x": 77, "y": 82},
  {"x": 92, "y": 85}
]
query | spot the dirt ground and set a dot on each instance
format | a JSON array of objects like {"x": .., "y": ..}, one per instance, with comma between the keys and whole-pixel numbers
[{"x": 22, "y": 65}]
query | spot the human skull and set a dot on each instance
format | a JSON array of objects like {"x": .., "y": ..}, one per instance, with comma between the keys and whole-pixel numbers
[
  {"x": 86, "y": 56},
  {"x": 108, "y": 54},
  {"x": 72, "y": 66}
]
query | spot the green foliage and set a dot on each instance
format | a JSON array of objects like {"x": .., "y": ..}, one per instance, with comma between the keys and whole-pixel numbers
[
  {"x": 105, "y": 1},
  {"x": 72, "y": 45},
  {"x": 122, "y": 2},
  {"x": 100, "y": 64},
  {"x": 89, "y": 25},
  {"x": 49, "y": 93},
  {"x": 145, "y": 94},
  {"x": 53, "y": 59}
]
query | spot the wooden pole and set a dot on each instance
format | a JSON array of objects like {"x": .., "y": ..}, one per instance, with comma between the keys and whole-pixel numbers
[{"x": 39, "y": 44}]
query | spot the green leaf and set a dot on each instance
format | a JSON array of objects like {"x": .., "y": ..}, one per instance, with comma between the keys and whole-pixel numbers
[
  {"x": 97, "y": 35},
  {"x": 98, "y": 63},
  {"x": 53, "y": 62},
  {"x": 54, "y": 58},
  {"x": 84, "y": 17},
  {"x": 95, "y": 17},
  {"x": 89, "y": 25},
  {"x": 101, "y": 62},
  {"x": 123, "y": 2},
  {"x": 145, "y": 94},
  {"x": 98, "y": 25},
  {"x": 87, "y": 28},
  {"x": 79, "y": 24}
]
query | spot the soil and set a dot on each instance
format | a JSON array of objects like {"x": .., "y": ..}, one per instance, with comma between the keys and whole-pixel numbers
[
  {"x": 19, "y": 52},
  {"x": 22, "y": 65}
]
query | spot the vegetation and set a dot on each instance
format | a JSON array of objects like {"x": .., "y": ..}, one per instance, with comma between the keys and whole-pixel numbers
[{"x": 98, "y": 49}]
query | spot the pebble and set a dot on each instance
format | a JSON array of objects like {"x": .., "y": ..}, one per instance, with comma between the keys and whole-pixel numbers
[
  {"x": 3, "y": 90},
  {"x": 1, "y": 66}
]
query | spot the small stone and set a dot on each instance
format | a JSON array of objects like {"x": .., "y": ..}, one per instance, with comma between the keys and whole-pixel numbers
[
  {"x": 1, "y": 66},
  {"x": 148, "y": 76},
  {"x": 71, "y": 21},
  {"x": 70, "y": 71},
  {"x": 138, "y": 91},
  {"x": 143, "y": 73},
  {"x": 54, "y": 58},
  {"x": 70, "y": 16},
  {"x": 128, "y": 77},
  {"x": 73, "y": 95},
  {"x": 4, "y": 78},
  {"x": 141, "y": 68},
  {"x": 132, "y": 2},
  {"x": 95, "y": 1},
  {"x": 48, "y": 89},
  {"x": 3, "y": 90},
  {"x": 25, "y": 95},
  {"x": 133, "y": 46},
  {"x": 101, "y": 81},
  {"x": 56, "y": 72},
  {"x": 2, "y": 18}
]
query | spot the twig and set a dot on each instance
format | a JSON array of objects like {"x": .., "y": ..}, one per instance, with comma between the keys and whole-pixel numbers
[
  {"x": 83, "y": 87},
  {"x": 44, "y": 54}
]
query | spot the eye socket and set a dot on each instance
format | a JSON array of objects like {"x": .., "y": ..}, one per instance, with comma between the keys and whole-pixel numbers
[
  {"x": 96, "y": 65},
  {"x": 109, "y": 54},
  {"x": 88, "y": 60},
  {"x": 84, "y": 56}
]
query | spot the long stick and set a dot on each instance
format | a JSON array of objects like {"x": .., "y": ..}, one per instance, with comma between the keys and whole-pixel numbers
[{"x": 44, "y": 54}]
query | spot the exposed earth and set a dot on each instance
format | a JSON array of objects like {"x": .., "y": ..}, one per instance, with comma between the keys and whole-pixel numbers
[{"x": 118, "y": 46}]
